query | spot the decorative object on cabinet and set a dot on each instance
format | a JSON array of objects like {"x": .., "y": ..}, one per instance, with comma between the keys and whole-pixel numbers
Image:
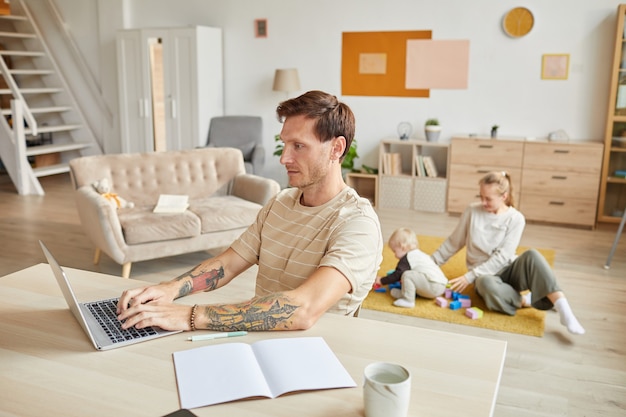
[
  {"x": 170, "y": 86},
  {"x": 612, "y": 200},
  {"x": 401, "y": 185},
  {"x": 494, "y": 131},
  {"x": 552, "y": 182},
  {"x": 242, "y": 132},
  {"x": 404, "y": 130},
  {"x": 554, "y": 66},
  {"x": 432, "y": 130},
  {"x": 286, "y": 80},
  {"x": 518, "y": 22},
  {"x": 558, "y": 136}
]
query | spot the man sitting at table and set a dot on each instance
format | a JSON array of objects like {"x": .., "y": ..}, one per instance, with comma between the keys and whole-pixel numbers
[{"x": 318, "y": 245}]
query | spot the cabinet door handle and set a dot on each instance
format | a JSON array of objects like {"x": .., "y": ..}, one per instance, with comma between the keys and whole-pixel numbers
[
  {"x": 559, "y": 177},
  {"x": 485, "y": 146},
  {"x": 482, "y": 171},
  {"x": 557, "y": 203},
  {"x": 173, "y": 103},
  {"x": 561, "y": 151}
]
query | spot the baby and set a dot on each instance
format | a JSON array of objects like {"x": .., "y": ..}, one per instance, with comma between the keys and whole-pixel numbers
[{"x": 418, "y": 272}]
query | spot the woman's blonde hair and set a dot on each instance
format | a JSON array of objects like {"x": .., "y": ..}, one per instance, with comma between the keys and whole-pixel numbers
[
  {"x": 503, "y": 181},
  {"x": 403, "y": 238}
]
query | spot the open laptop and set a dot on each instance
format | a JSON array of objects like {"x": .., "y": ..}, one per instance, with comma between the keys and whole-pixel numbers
[{"x": 98, "y": 318}]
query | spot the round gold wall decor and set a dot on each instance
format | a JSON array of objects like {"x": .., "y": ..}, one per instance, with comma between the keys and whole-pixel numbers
[{"x": 518, "y": 22}]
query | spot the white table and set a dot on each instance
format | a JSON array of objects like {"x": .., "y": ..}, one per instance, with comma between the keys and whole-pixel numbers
[{"x": 49, "y": 367}]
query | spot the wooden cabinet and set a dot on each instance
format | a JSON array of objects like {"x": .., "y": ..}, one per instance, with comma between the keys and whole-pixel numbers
[
  {"x": 366, "y": 185},
  {"x": 612, "y": 200},
  {"x": 560, "y": 182},
  {"x": 552, "y": 182},
  {"x": 401, "y": 183},
  {"x": 170, "y": 86},
  {"x": 472, "y": 158}
]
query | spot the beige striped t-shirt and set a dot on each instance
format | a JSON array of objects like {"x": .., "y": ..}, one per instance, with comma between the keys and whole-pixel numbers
[{"x": 290, "y": 241}]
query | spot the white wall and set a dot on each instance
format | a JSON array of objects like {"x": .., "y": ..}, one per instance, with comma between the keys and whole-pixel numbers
[{"x": 505, "y": 85}]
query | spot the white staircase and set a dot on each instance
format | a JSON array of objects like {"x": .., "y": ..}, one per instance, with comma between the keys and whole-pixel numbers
[{"x": 41, "y": 126}]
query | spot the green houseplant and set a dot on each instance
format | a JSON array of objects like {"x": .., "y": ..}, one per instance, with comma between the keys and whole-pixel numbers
[
  {"x": 348, "y": 160},
  {"x": 494, "y": 131},
  {"x": 432, "y": 129}
]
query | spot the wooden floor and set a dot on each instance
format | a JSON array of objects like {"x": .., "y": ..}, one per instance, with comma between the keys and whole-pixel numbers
[{"x": 556, "y": 375}]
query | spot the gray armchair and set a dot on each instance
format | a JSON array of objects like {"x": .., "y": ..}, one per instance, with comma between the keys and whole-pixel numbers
[{"x": 242, "y": 132}]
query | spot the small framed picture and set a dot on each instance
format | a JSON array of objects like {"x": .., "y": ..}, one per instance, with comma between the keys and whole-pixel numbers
[
  {"x": 554, "y": 66},
  {"x": 260, "y": 28}
]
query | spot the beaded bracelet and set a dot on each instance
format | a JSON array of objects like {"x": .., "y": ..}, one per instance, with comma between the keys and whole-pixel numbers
[{"x": 192, "y": 318}]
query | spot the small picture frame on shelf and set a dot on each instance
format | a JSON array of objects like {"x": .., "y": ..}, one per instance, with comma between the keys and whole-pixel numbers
[{"x": 554, "y": 66}]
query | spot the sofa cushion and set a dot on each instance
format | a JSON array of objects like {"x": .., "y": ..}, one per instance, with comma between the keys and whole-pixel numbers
[
  {"x": 224, "y": 213},
  {"x": 141, "y": 225}
]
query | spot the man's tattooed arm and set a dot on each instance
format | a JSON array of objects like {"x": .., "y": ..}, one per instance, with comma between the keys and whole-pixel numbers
[
  {"x": 203, "y": 277},
  {"x": 270, "y": 312}
]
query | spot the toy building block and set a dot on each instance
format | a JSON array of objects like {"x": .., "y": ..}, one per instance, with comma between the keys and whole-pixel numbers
[
  {"x": 441, "y": 302},
  {"x": 380, "y": 289},
  {"x": 461, "y": 296},
  {"x": 474, "y": 313},
  {"x": 391, "y": 271},
  {"x": 395, "y": 285},
  {"x": 455, "y": 295},
  {"x": 455, "y": 305},
  {"x": 448, "y": 293},
  {"x": 465, "y": 302}
]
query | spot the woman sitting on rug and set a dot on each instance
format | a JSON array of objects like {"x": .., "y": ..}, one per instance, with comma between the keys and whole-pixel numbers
[
  {"x": 419, "y": 274},
  {"x": 491, "y": 231}
]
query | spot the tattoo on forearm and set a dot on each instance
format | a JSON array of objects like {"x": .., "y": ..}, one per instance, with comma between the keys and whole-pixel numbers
[
  {"x": 207, "y": 280},
  {"x": 201, "y": 278},
  {"x": 270, "y": 312}
]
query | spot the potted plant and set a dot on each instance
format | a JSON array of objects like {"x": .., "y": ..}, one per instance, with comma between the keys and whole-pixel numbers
[
  {"x": 347, "y": 163},
  {"x": 494, "y": 131},
  {"x": 432, "y": 130}
]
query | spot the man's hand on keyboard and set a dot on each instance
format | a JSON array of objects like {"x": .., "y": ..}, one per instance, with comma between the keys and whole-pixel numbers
[{"x": 165, "y": 315}]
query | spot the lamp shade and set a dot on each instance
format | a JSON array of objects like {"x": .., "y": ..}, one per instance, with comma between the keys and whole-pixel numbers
[{"x": 286, "y": 80}]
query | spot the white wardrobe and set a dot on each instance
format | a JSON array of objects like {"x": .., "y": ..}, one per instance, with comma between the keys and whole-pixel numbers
[{"x": 170, "y": 86}]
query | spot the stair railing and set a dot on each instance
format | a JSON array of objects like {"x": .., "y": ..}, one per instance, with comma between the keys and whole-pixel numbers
[{"x": 17, "y": 95}]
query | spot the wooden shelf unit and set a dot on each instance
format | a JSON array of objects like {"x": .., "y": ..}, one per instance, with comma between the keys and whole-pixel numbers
[
  {"x": 405, "y": 189},
  {"x": 366, "y": 185},
  {"x": 612, "y": 199}
]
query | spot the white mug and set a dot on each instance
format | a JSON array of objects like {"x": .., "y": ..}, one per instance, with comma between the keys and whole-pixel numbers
[{"x": 386, "y": 390}]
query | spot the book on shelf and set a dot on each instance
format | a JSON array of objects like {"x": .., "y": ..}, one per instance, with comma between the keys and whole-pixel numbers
[
  {"x": 269, "y": 368},
  {"x": 419, "y": 165},
  {"x": 392, "y": 163},
  {"x": 171, "y": 203},
  {"x": 429, "y": 166}
]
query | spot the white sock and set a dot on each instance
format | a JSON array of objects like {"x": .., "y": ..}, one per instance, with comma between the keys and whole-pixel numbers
[
  {"x": 567, "y": 316},
  {"x": 403, "y": 302},
  {"x": 527, "y": 299}
]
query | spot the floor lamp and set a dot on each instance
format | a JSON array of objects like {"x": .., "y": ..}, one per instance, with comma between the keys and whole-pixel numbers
[{"x": 286, "y": 80}]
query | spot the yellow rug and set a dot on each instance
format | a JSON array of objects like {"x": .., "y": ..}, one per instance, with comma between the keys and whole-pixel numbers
[{"x": 528, "y": 321}]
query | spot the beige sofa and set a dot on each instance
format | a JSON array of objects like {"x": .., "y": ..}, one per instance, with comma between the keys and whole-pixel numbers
[{"x": 223, "y": 202}]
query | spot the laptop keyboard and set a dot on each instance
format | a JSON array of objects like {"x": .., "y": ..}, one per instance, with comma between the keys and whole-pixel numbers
[{"x": 105, "y": 313}]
